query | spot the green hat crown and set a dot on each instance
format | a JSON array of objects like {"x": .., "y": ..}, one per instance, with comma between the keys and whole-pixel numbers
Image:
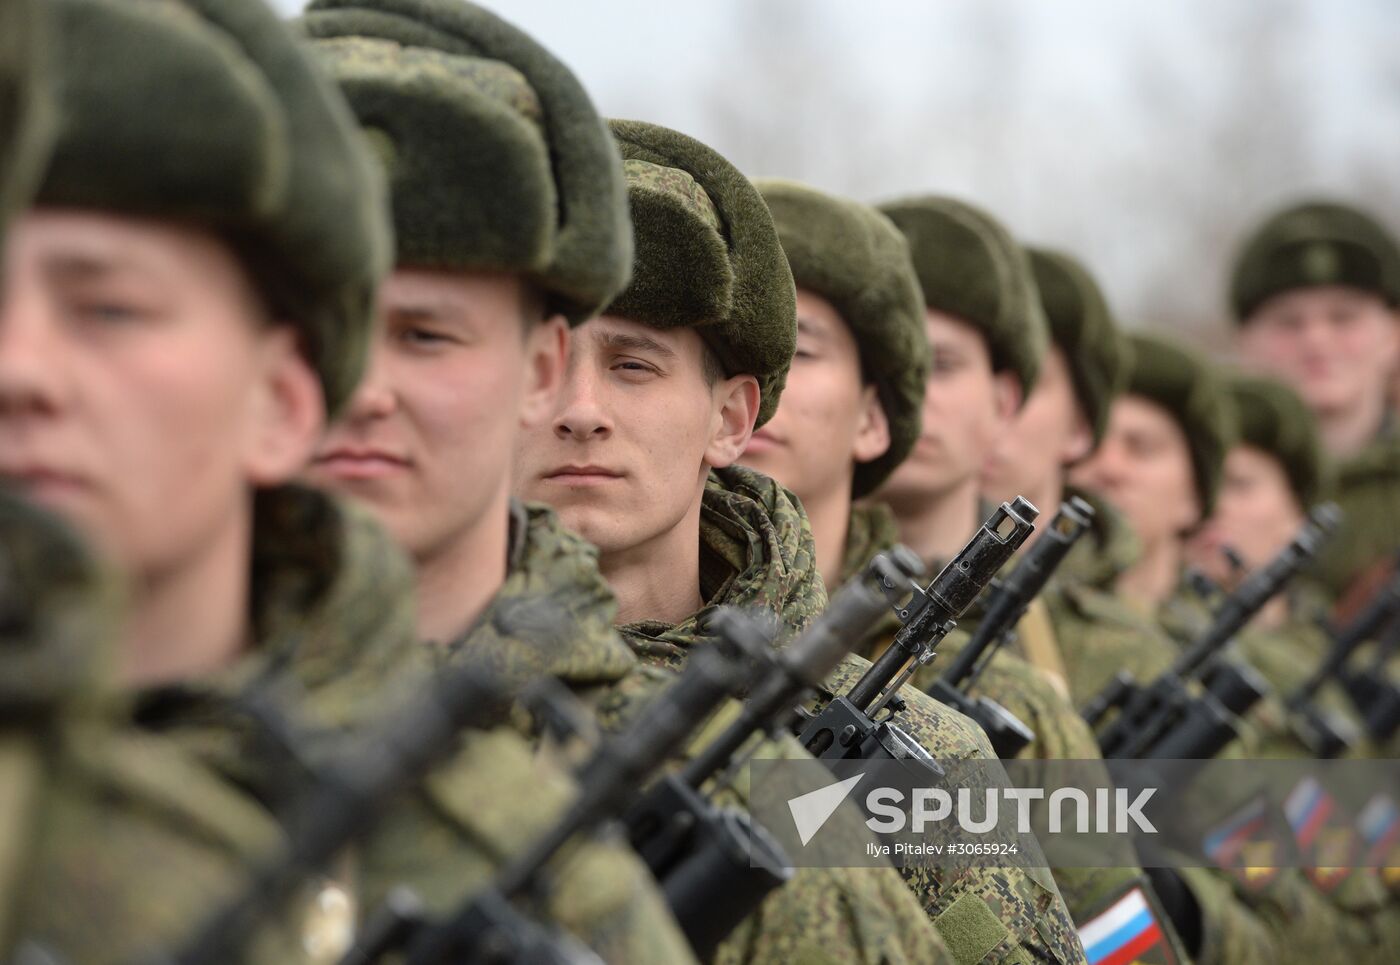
[
  {"x": 1311, "y": 244},
  {"x": 206, "y": 111},
  {"x": 1082, "y": 326},
  {"x": 25, "y": 106},
  {"x": 708, "y": 256},
  {"x": 1165, "y": 372},
  {"x": 1274, "y": 419},
  {"x": 969, "y": 266},
  {"x": 855, "y": 258},
  {"x": 497, "y": 158}
]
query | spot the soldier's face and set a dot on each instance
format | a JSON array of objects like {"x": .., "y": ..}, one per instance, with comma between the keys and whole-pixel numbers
[
  {"x": 828, "y": 419},
  {"x": 456, "y": 369},
  {"x": 637, "y": 427},
  {"x": 966, "y": 407},
  {"x": 1047, "y": 434},
  {"x": 1337, "y": 346},
  {"x": 1256, "y": 513},
  {"x": 1143, "y": 466},
  {"x": 142, "y": 389}
]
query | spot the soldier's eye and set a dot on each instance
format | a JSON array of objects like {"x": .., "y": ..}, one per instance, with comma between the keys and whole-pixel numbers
[
  {"x": 107, "y": 311},
  {"x": 422, "y": 337},
  {"x": 634, "y": 366}
]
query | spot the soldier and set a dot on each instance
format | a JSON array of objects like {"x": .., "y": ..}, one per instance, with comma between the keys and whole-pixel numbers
[
  {"x": 662, "y": 394},
  {"x": 1162, "y": 462},
  {"x": 865, "y": 379},
  {"x": 470, "y": 351},
  {"x": 180, "y": 313},
  {"x": 861, "y": 370},
  {"x": 1061, "y": 424},
  {"x": 1314, "y": 292},
  {"x": 1273, "y": 475}
]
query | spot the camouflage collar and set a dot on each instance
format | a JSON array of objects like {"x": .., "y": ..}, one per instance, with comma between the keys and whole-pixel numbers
[
  {"x": 756, "y": 551},
  {"x": 333, "y": 625},
  {"x": 872, "y": 529},
  {"x": 553, "y": 615},
  {"x": 1108, "y": 550}
]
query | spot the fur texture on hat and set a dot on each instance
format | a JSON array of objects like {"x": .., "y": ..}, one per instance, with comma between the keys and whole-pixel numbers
[
  {"x": 497, "y": 158},
  {"x": 1272, "y": 418},
  {"x": 856, "y": 259},
  {"x": 708, "y": 256},
  {"x": 1167, "y": 373},
  {"x": 969, "y": 266},
  {"x": 206, "y": 111},
  {"x": 1083, "y": 328}
]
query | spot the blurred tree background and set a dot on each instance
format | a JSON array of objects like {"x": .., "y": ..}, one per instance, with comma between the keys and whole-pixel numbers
[{"x": 1146, "y": 138}]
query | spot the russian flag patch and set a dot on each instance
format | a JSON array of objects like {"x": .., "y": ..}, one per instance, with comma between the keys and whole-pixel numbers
[{"x": 1127, "y": 931}]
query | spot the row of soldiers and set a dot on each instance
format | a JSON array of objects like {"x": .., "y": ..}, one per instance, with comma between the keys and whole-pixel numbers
[{"x": 361, "y": 351}]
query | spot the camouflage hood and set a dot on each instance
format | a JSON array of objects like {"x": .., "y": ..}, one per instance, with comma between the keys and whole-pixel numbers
[
  {"x": 1106, "y": 551},
  {"x": 553, "y": 615},
  {"x": 333, "y": 624},
  {"x": 756, "y": 551},
  {"x": 871, "y": 530}
]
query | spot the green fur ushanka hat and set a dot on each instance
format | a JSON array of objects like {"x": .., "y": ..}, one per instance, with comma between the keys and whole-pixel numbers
[
  {"x": 207, "y": 111},
  {"x": 969, "y": 266},
  {"x": 497, "y": 159},
  {"x": 1175, "y": 378},
  {"x": 708, "y": 256},
  {"x": 1083, "y": 328},
  {"x": 1311, "y": 244},
  {"x": 855, "y": 258},
  {"x": 1274, "y": 419},
  {"x": 25, "y": 108}
]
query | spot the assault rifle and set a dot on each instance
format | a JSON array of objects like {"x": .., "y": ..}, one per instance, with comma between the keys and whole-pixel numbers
[
  {"x": 487, "y": 927},
  {"x": 851, "y": 727},
  {"x": 1007, "y": 604},
  {"x": 348, "y": 800},
  {"x": 1374, "y": 697},
  {"x": 1165, "y": 718},
  {"x": 711, "y": 879}
]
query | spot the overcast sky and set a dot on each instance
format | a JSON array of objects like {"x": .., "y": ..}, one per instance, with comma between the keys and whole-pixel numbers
[{"x": 1143, "y": 136}]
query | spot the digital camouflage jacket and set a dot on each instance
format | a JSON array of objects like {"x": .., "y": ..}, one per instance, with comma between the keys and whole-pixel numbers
[
  {"x": 1351, "y": 920},
  {"x": 335, "y": 650},
  {"x": 1060, "y": 733},
  {"x": 1367, "y": 487},
  {"x": 1098, "y": 631},
  {"x": 757, "y": 551},
  {"x": 553, "y": 616}
]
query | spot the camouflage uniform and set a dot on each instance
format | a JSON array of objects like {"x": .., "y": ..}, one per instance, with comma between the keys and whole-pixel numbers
[
  {"x": 553, "y": 616},
  {"x": 194, "y": 784},
  {"x": 757, "y": 552},
  {"x": 87, "y": 798},
  {"x": 1308, "y": 925},
  {"x": 1099, "y": 632},
  {"x": 1366, "y": 487},
  {"x": 1060, "y": 733},
  {"x": 1319, "y": 243}
]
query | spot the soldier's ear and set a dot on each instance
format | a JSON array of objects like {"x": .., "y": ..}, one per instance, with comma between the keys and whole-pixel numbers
[
  {"x": 736, "y": 410},
  {"x": 1080, "y": 442},
  {"x": 873, "y": 430},
  {"x": 546, "y": 350},
  {"x": 286, "y": 413},
  {"x": 1007, "y": 395}
]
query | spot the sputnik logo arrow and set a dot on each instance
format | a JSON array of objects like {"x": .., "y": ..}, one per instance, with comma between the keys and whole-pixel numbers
[{"x": 812, "y": 810}]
